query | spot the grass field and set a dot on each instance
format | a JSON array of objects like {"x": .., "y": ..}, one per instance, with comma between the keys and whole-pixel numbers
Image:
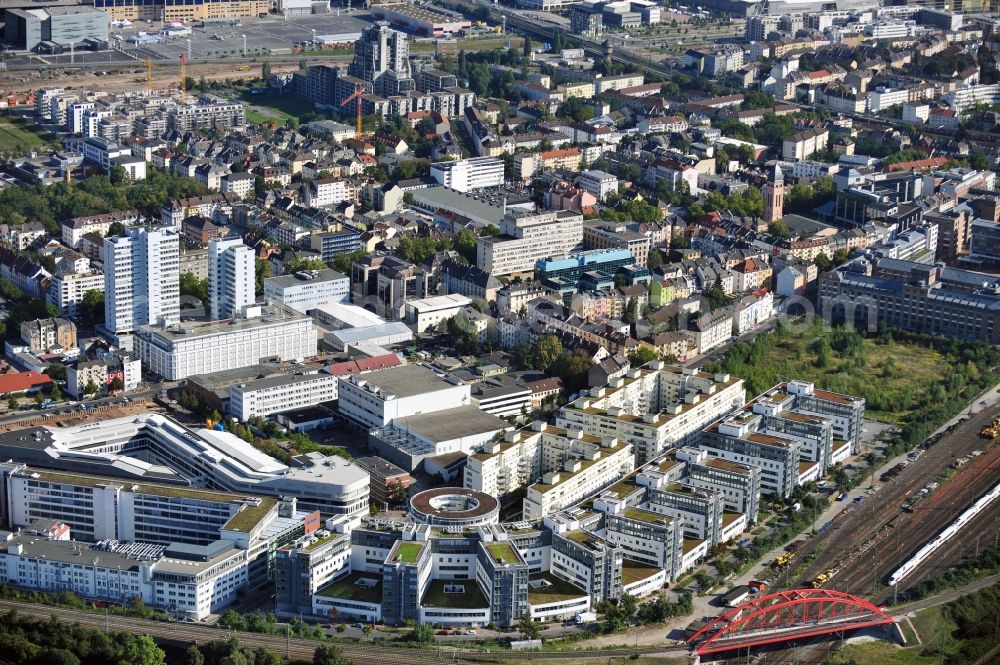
[
  {"x": 879, "y": 652},
  {"x": 275, "y": 108},
  {"x": 20, "y": 135},
  {"x": 902, "y": 371}
]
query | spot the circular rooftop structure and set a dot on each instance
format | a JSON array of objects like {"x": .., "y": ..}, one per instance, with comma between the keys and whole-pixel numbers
[{"x": 454, "y": 506}]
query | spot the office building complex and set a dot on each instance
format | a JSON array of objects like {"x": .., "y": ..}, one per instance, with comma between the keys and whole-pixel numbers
[
  {"x": 275, "y": 394},
  {"x": 259, "y": 332},
  {"x": 141, "y": 280},
  {"x": 231, "y": 278},
  {"x": 913, "y": 296},
  {"x": 526, "y": 238},
  {"x": 308, "y": 289},
  {"x": 119, "y": 450}
]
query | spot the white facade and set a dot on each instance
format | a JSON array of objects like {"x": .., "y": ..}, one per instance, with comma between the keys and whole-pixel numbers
[
  {"x": 282, "y": 393},
  {"x": 66, "y": 290},
  {"x": 598, "y": 183},
  {"x": 526, "y": 239},
  {"x": 231, "y": 277},
  {"x": 378, "y": 398},
  {"x": 467, "y": 174},
  {"x": 272, "y": 331},
  {"x": 882, "y": 98},
  {"x": 672, "y": 403},
  {"x": 141, "y": 280},
  {"x": 328, "y": 192},
  {"x": 578, "y": 479},
  {"x": 429, "y": 312},
  {"x": 916, "y": 112},
  {"x": 308, "y": 289}
]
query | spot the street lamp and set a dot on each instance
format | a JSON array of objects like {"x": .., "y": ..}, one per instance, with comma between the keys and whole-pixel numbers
[
  {"x": 314, "y": 38},
  {"x": 244, "y": 45}
]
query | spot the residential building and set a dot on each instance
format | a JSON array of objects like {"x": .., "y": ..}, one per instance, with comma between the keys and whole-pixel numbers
[
  {"x": 42, "y": 335},
  {"x": 141, "y": 280},
  {"x": 231, "y": 278},
  {"x": 425, "y": 313},
  {"x": 67, "y": 289},
  {"x": 672, "y": 403},
  {"x": 597, "y": 183},
  {"x": 388, "y": 481}
]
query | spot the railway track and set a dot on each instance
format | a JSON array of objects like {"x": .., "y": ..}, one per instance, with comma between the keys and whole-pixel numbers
[
  {"x": 860, "y": 533},
  {"x": 294, "y": 647}
]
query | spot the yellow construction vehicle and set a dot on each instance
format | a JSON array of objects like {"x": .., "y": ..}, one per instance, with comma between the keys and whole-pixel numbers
[{"x": 991, "y": 431}]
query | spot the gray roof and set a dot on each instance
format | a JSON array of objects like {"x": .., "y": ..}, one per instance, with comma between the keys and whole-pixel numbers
[
  {"x": 324, "y": 275},
  {"x": 450, "y": 424},
  {"x": 406, "y": 380}
]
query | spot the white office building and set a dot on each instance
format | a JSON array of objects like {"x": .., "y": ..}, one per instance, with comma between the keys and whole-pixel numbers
[
  {"x": 117, "y": 450},
  {"x": 426, "y": 313},
  {"x": 524, "y": 239},
  {"x": 141, "y": 280},
  {"x": 231, "y": 277},
  {"x": 258, "y": 333},
  {"x": 464, "y": 175},
  {"x": 598, "y": 183},
  {"x": 308, "y": 289},
  {"x": 275, "y": 394},
  {"x": 376, "y": 399}
]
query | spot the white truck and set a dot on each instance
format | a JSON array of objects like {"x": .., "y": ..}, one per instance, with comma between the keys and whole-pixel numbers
[{"x": 586, "y": 617}]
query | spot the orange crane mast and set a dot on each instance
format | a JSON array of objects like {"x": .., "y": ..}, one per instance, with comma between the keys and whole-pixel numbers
[{"x": 359, "y": 92}]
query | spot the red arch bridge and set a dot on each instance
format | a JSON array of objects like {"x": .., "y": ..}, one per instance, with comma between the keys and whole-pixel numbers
[{"x": 784, "y": 616}]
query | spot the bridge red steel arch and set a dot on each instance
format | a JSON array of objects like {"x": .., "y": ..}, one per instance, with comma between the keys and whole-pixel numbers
[{"x": 772, "y": 618}]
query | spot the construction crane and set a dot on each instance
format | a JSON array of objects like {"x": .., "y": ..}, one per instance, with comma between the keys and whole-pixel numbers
[{"x": 359, "y": 93}]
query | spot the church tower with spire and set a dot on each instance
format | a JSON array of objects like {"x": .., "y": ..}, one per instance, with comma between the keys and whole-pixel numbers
[{"x": 774, "y": 195}]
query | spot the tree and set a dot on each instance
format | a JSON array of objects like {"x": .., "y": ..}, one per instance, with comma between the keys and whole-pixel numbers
[
  {"x": 823, "y": 262},
  {"x": 92, "y": 305},
  {"x": 780, "y": 229},
  {"x": 115, "y": 229},
  {"x": 194, "y": 288},
  {"x": 528, "y": 628},
  {"x": 232, "y": 620},
  {"x": 55, "y": 394},
  {"x": 642, "y": 355},
  {"x": 116, "y": 385},
  {"x": 12, "y": 404},
  {"x": 632, "y": 311},
  {"x": 527, "y": 47},
  {"x": 547, "y": 351},
  {"x": 327, "y": 654},
  {"x": 193, "y": 656},
  {"x": 397, "y": 493},
  {"x": 139, "y": 650},
  {"x": 91, "y": 388},
  {"x": 424, "y": 634},
  {"x": 265, "y": 71},
  {"x": 464, "y": 336},
  {"x": 465, "y": 244},
  {"x": 262, "y": 270}
]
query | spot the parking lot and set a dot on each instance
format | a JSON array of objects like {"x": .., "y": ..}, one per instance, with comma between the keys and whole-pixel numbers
[{"x": 263, "y": 37}]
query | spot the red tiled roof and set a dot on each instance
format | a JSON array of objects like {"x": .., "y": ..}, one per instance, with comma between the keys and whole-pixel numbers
[
  {"x": 23, "y": 381},
  {"x": 364, "y": 364}
]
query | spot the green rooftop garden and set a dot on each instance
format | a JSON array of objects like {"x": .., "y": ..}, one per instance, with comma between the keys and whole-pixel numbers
[
  {"x": 408, "y": 552},
  {"x": 633, "y": 571},
  {"x": 556, "y": 590},
  {"x": 250, "y": 516},
  {"x": 502, "y": 552},
  {"x": 349, "y": 589},
  {"x": 470, "y": 598}
]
